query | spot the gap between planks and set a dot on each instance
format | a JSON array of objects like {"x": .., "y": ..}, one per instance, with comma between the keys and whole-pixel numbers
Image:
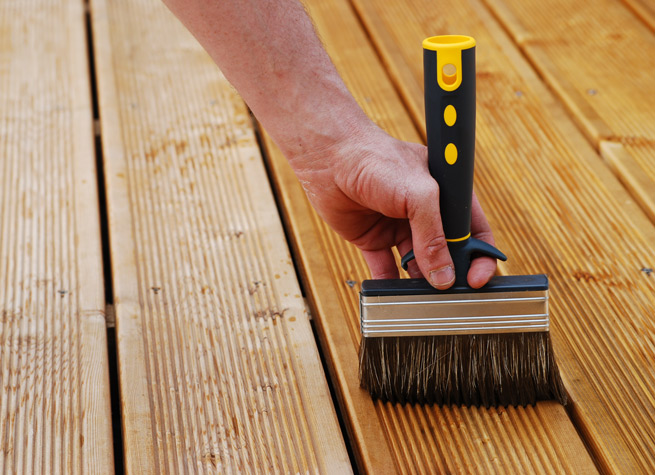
[{"x": 55, "y": 407}]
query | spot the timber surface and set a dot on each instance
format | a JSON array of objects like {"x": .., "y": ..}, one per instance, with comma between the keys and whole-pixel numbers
[
  {"x": 644, "y": 9},
  {"x": 218, "y": 366},
  {"x": 599, "y": 59},
  {"x": 55, "y": 401}
]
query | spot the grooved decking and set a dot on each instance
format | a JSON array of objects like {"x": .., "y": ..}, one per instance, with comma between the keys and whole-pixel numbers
[
  {"x": 599, "y": 60},
  {"x": 644, "y": 9},
  {"x": 54, "y": 400},
  {"x": 218, "y": 366}
]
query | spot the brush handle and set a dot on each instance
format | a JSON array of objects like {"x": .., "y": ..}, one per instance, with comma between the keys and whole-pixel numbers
[{"x": 449, "y": 74}]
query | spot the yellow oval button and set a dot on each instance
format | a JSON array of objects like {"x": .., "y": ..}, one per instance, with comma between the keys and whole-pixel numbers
[
  {"x": 451, "y": 154},
  {"x": 450, "y": 115}
]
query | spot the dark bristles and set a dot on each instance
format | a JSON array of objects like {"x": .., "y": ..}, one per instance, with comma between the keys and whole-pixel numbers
[{"x": 516, "y": 369}]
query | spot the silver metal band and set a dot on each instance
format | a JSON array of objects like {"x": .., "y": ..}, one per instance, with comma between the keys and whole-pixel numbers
[{"x": 443, "y": 314}]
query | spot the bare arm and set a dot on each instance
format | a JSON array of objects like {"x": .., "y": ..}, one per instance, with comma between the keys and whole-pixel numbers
[{"x": 374, "y": 190}]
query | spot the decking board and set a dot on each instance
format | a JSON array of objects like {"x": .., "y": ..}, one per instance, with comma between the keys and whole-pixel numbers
[
  {"x": 644, "y": 9},
  {"x": 392, "y": 438},
  {"x": 556, "y": 209},
  {"x": 55, "y": 401},
  {"x": 598, "y": 57},
  {"x": 631, "y": 163},
  {"x": 218, "y": 367}
]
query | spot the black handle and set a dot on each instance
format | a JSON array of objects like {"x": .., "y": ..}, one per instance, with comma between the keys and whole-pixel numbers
[
  {"x": 450, "y": 124},
  {"x": 449, "y": 75}
]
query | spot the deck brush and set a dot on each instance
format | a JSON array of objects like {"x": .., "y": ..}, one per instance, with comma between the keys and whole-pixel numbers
[{"x": 484, "y": 347}]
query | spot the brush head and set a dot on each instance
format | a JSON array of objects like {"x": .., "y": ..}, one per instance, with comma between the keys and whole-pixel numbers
[{"x": 489, "y": 347}]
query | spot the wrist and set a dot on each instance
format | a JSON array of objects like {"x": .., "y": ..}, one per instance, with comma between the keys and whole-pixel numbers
[
  {"x": 330, "y": 143},
  {"x": 317, "y": 123}
]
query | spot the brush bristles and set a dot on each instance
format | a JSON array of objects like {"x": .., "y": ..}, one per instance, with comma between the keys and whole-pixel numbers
[{"x": 488, "y": 370}]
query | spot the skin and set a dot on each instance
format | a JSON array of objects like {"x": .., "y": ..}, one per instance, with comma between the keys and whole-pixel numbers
[{"x": 372, "y": 189}]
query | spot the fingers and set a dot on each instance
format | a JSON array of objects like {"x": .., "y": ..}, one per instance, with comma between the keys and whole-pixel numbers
[
  {"x": 480, "y": 228},
  {"x": 430, "y": 245},
  {"x": 381, "y": 263},
  {"x": 482, "y": 268}
]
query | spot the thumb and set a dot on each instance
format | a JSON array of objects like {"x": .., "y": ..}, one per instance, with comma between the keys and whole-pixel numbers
[{"x": 428, "y": 238}]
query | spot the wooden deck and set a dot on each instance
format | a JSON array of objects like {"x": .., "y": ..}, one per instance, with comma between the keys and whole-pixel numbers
[{"x": 168, "y": 215}]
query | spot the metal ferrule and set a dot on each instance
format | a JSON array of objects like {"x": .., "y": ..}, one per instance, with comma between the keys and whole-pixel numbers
[{"x": 455, "y": 314}]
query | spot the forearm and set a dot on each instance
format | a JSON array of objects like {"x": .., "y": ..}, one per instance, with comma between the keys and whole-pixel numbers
[{"x": 269, "y": 51}]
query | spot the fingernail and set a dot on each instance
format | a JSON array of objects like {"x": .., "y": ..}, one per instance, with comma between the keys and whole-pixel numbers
[{"x": 443, "y": 277}]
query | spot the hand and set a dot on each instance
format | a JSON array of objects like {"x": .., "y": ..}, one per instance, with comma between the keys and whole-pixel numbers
[
  {"x": 377, "y": 192},
  {"x": 372, "y": 189}
]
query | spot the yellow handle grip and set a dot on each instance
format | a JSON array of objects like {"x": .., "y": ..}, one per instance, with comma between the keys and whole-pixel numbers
[{"x": 449, "y": 58}]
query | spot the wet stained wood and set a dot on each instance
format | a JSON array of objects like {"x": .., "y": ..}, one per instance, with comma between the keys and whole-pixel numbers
[
  {"x": 393, "y": 438},
  {"x": 218, "y": 367},
  {"x": 55, "y": 400},
  {"x": 644, "y": 9},
  {"x": 557, "y": 209},
  {"x": 633, "y": 165},
  {"x": 598, "y": 57}
]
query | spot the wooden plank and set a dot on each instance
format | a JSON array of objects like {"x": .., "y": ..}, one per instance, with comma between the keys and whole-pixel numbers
[
  {"x": 632, "y": 164},
  {"x": 218, "y": 366},
  {"x": 555, "y": 208},
  {"x": 385, "y": 437},
  {"x": 598, "y": 58},
  {"x": 597, "y": 55},
  {"x": 55, "y": 402},
  {"x": 645, "y": 10}
]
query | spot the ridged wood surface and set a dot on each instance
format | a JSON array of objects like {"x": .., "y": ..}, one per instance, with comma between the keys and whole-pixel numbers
[
  {"x": 218, "y": 367},
  {"x": 633, "y": 166},
  {"x": 54, "y": 404},
  {"x": 394, "y": 438},
  {"x": 556, "y": 209},
  {"x": 599, "y": 58},
  {"x": 645, "y": 10}
]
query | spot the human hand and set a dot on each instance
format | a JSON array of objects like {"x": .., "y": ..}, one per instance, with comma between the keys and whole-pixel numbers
[
  {"x": 377, "y": 193},
  {"x": 374, "y": 190}
]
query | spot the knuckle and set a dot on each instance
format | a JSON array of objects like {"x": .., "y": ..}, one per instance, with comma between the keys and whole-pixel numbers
[
  {"x": 420, "y": 197},
  {"x": 425, "y": 189},
  {"x": 435, "y": 246},
  {"x": 486, "y": 236},
  {"x": 482, "y": 232}
]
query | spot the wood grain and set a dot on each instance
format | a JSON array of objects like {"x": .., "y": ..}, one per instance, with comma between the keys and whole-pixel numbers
[
  {"x": 55, "y": 401},
  {"x": 218, "y": 366},
  {"x": 556, "y": 209},
  {"x": 633, "y": 165},
  {"x": 644, "y": 9},
  {"x": 390, "y": 438},
  {"x": 598, "y": 58}
]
